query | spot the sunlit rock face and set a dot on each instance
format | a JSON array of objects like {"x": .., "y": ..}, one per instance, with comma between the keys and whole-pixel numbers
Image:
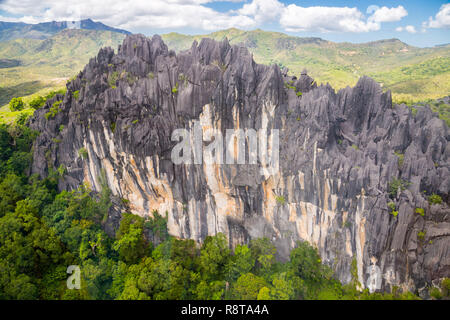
[{"x": 337, "y": 156}]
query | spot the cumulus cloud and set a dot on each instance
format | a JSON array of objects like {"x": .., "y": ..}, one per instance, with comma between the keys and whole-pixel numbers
[
  {"x": 385, "y": 14},
  {"x": 326, "y": 19},
  {"x": 410, "y": 29},
  {"x": 262, "y": 10},
  {"x": 194, "y": 14},
  {"x": 442, "y": 19},
  {"x": 132, "y": 14}
]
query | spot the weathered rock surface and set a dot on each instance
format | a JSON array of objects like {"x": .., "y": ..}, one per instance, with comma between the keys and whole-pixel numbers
[{"x": 337, "y": 157}]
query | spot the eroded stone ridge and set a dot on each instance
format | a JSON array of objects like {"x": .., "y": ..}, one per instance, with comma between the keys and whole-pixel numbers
[{"x": 339, "y": 152}]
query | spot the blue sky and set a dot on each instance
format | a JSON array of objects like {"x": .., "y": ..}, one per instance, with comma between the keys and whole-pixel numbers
[{"x": 419, "y": 23}]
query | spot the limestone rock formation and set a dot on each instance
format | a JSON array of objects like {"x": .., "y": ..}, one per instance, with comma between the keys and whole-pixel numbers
[{"x": 341, "y": 154}]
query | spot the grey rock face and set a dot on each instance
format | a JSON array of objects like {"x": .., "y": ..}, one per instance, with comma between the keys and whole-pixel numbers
[{"x": 339, "y": 153}]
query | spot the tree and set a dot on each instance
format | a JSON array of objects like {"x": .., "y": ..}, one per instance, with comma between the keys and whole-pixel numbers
[
  {"x": 130, "y": 243},
  {"x": 306, "y": 262},
  {"x": 248, "y": 286},
  {"x": 263, "y": 251},
  {"x": 16, "y": 104},
  {"x": 241, "y": 263},
  {"x": 214, "y": 257},
  {"x": 37, "y": 102}
]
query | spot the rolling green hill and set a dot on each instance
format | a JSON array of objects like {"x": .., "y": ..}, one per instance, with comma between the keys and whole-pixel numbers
[
  {"x": 413, "y": 74},
  {"x": 28, "y": 66}
]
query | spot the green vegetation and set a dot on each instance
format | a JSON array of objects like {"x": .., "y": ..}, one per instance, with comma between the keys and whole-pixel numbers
[
  {"x": 83, "y": 153},
  {"x": 421, "y": 235},
  {"x": 397, "y": 184},
  {"x": 37, "y": 102},
  {"x": 135, "y": 121},
  {"x": 175, "y": 89},
  {"x": 401, "y": 158},
  {"x": 54, "y": 110},
  {"x": 434, "y": 199},
  {"x": 47, "y": 64},
  {"x": 76, "y": 94},
  {"x": 280, "y": 200},
  {"x": 354, "y": 146},
  {"x": 112, "y": 79},
  {"x": 443, "y": 292},
  {"x": 392, "y": 209},
  {"x": 420, "y": 211},
  {"x": 16, "y": 104}
]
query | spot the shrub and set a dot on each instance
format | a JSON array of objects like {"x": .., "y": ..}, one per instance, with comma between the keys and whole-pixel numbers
[
  {"x": 280, "y": 200},
  {"x": 37, "y": 102},
  {"x": 395, "y": 184},
  {"x": 299, "y": 94},
  {"x": 61, "y": 128},
  {"x": 54, "y": 110},
  {"x": 135, "y": 121},
  {"x": 151, "y": 75},
  {"x": 434, "y": 199},
  {"x": 392, "y": 208},
  {"x": 112, "y": 79},
  {"x": 354, "y": 146},
  {"x": 175, "y": 89},
  {"x": 401, "y": 158},
  {"x": 445, "y": 287},
  {"x": 76, "y": 94},
  {"x": 420, "y": 211},
  {"x": 113, "y": 126},
  {"x": 421, "y": 235},
  {"x": 436, "y": 294},
  {"x": 391, "y": 205},
  {"x": 54, "y": 93},
  {"x": 16, "y": 104},
  {"x": 82, "y": 152}
]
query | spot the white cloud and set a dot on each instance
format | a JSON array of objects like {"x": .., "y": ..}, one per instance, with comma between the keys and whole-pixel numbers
[
  {"x": 325, "y": 19},
  {"x": 262, "y": 10},
  {"x": 193, "y": 14},
  {"x": 385, "y": 14},
  {"x": 442, "y": 19},
  {"x": 410, "y": 29},
  {"x": 131, "y": 14}
]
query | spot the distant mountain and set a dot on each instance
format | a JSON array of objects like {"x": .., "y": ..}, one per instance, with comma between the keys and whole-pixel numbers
[
  {"x": 413, "y": 74},
  {"x": 31, "y": 65},
  {"x": 20, "y": 30}
]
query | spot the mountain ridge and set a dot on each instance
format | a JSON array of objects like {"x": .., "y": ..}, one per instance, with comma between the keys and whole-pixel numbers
[{"x": 44, "y": 30}]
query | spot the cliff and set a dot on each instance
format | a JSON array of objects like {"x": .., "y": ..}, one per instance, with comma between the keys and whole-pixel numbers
[{"x": 353, "y": 168}]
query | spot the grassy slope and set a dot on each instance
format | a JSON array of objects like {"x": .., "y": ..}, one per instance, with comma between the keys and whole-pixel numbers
[
  {"x": 49, "y": 63},
  {"x": 413, "y": 74}
]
